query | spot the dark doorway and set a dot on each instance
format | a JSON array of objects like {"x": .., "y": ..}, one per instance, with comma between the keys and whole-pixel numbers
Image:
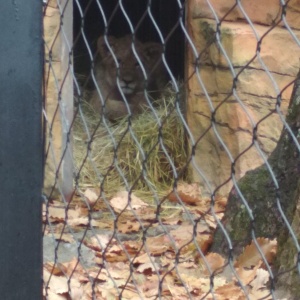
[{"x": 92, "y": 18}]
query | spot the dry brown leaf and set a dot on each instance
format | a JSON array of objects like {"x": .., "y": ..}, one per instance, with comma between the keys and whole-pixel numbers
[
  {"x": 76, "y": 289},
  {"x": 182, "y": 235},
  {"x": 91, "y": 196},
  {"x": 103, "y": 276},
  {"x": 73, "y": 265},
  {"x": 145, "y": 268},
  {"x": 56, "y": 213},
  {"x": 65, "y": 237},
  {"x": 108, "y": 224},
  {"x": 262, "y": 277},
  {"x": 187, "y": 265},
  {"x": 119, "y": 270},
  {"x": 158, "y": 244},
  {"x": 188, "y": 194},
  {"x": 214, "y": 260},
  {"x": 130, "y": 292},
  {"x": 129, "y": 226},
  {"x": 121, "y": 201},
  {"x": 53, "y": 296},
  {"x": 202, "y": 284},
  {"x": 57, "y": 284},
  {"x": 73, "y": 213},
  {"x": 141, "y": 259},
  {"x": 251, "y": 257},
  {"x": 204, "y": 241},
  {"x": 115, "y": 249},
  {"x": 187, "y": 199},
  {"x": 260, "y": 294},
  {"x": 109, "y": 294},
  {"x": 78, "y": 221},
  {"x": 220, "y": 216},
  {"x": 230, "y": 291},
  {"x": 114, "y": 257},
  {"x": 171, "y": 220},
  {"x": 55, "y": 269},
  {"x": 98, "y": 242},
  {"x": 150, "y": 287},
  {"x": 132, "y": 247},
  {"x": 75, "y": 216},
  {"x": 146, "y": 213},
  {"x": 185, "y": 232},
  {"x": 116, "y": 254},
  {"x": 210, "y": 220},
  {"x": 247, "y": 275}
]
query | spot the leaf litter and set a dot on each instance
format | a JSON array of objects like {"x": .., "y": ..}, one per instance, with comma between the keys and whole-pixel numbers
[{"x": 145, "y": 251}]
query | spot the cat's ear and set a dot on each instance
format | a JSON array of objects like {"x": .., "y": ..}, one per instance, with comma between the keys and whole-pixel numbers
[
  {"x": 152, "y": 51},
  {"x": 102, "y": 45}
]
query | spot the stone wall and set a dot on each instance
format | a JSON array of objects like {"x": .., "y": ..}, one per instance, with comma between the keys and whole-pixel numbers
[{"x": 254, "y": 88}]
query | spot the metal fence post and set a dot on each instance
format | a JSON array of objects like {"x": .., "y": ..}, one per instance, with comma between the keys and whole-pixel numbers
[{"x": 21, "y": 149}]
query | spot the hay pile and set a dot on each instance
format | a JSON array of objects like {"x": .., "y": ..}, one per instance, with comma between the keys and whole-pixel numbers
[{"x": 115, "y": 160}]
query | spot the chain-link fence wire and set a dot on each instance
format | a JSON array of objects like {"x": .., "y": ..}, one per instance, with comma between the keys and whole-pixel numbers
[{"x": 101, "y": 241}]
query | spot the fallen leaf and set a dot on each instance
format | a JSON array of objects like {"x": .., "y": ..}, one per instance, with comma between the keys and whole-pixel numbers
[
  {"x": 98, "y": 242},
  {"x": 78, "y": 221},
  {"x": 108, "y": 224},
  {"x": 158, "y": 245},
  {"x": 65, "y": 237},
  {"x": 251, "y": 257},
  {"x": 53, "y": 296},
  {"x": 247, "y": 275},
  {"x": 230, "y": 291},
  {"x": 141, "y": 259},
  {"x": 145, "y": 268},
  {"x": 60, "y": 213},
  {"x": 187, "y": 193},
  {"x": 91, "y": 196},
  {"x": 129, "y": 226},
  {"x": 214, "y": 260},
  {"x": 124, "y": 200},
  {"x": 262, "y": 277},
  {"x": 57, "y": 284}
]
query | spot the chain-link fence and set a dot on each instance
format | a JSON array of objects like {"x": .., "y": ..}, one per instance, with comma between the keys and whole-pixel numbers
[{"x": 171, "y": 149}]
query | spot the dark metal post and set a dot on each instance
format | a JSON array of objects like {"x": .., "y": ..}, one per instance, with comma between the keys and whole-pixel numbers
[{"x": 21, "y": 149}]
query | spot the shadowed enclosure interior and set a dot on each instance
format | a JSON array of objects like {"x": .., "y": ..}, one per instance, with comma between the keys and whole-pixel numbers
[
  {"x": 118, "y": 18},
  {"x": 166, "y": 14}
]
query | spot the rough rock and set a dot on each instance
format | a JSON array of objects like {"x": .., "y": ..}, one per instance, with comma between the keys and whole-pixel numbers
[
  {"x": 266, "y": 12},
  {"x": 237, "y": 79}
]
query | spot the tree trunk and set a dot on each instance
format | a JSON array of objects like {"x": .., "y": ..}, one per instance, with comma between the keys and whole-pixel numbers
[{"x": 259, "y": 190}]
